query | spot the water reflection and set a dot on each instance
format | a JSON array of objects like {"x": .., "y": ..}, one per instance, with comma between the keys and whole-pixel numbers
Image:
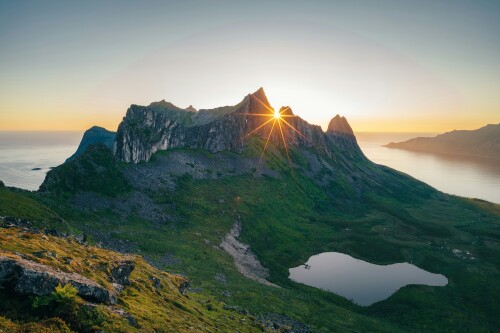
[
  {"x": 460, "y": 175},
  {"x": 360, "y": 281}
]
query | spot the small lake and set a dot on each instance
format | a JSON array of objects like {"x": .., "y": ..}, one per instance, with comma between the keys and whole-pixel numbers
[{"x": 359, "y": 281}]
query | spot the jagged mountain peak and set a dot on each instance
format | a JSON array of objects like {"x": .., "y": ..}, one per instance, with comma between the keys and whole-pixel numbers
[
  {"x": 191, "y": 108},
  {"x": 162, "y": 126},
  {"x": 286, "y": 111},
  {"x": 260, "y": 96},
  {"x": 164, "y": 106},
  {"x": 339, "y": 125}
]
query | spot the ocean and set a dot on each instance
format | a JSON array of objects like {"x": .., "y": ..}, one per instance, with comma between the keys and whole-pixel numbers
[{"x": 25, "y": 158}]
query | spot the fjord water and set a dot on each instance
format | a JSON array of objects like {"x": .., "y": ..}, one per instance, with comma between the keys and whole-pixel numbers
[
  {"x": 21, "y": 152},
  {"x": 361, "y": 282},
  {"x": 470, "y": 177}
]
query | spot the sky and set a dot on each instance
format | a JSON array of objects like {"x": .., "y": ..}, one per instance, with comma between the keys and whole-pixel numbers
[{"x": 386, "y": 65}]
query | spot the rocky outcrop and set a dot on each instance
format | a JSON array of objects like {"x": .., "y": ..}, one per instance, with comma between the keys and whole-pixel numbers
[
  {"x": 340, "y": 133},
  {"x": 161, "y": 126},
  {"x": 120, "y": 272},
  {"x": 339, "y": 126},
  {"x": 27, "y": 277},
  {"x": 7, "y": 222},
  {"x": 94, "y": 135},
  {"x": 245, "y": 260}
]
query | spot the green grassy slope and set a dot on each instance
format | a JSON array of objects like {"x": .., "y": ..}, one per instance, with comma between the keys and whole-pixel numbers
[
  {"x": 154, "y": 306},
  {"x": 371, "y": 213}
]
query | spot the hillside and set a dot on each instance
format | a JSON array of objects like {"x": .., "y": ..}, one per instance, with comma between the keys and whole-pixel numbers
[
  {"x": 233, "y": 212},
  {"x": 146, "y": 299},
  {"x": 94, "y": 135},
  {"x": 483, "y": 142}
]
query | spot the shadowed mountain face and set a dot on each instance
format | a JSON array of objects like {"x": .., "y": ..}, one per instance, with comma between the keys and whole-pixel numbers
[
  {"x": 162, "y": 126},
  {"x": 94, "y": 135},
  {"x": 483, "y": 142}
]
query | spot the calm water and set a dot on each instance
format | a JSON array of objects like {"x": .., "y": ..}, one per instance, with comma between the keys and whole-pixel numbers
[
  {"x": 464, "y": 176},
  {"x": 20, "y": 152},
  {"x": 360, "y": 281}
]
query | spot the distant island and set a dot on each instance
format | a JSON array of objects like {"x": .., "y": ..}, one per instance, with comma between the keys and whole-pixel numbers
[{"x": 482, "y": 142}]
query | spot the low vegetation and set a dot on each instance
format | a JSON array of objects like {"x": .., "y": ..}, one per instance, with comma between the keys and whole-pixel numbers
[{"x": 384, "y": 218}]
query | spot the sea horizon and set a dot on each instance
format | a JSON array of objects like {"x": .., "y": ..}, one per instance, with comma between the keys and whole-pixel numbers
[{"x": 23, "y": 151}]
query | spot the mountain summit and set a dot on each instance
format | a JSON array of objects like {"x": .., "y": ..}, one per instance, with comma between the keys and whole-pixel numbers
[
  {"x": 162, "y": 125},
  {"x": 339, "y": 125}
]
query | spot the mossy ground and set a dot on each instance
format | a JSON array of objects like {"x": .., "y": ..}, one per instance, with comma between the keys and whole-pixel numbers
[
  {"x": 289, "y": 219},
  {"x": 162, "y": 309}
]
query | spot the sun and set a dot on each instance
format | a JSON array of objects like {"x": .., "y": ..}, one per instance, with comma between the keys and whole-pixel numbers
[{"x": 276, "y": 120}]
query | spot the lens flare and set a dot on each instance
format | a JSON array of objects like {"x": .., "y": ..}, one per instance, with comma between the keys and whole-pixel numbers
[{"x": 278, "y": 123}]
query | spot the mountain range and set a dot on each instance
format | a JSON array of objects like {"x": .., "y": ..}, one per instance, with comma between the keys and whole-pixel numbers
[{"x": 188, "y": 220}]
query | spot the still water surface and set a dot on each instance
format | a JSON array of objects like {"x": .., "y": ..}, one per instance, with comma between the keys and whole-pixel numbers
[
  {"x": 360, "y": 281},
  {"x": 21, "y": 152},
  {"x": 464, "y": 176}
]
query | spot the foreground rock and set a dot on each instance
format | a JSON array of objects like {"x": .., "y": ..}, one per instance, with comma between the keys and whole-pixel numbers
[
  {"x": 121, "y": 272},
  {"x": 27, "y": 277},
  {"x": 245, "y": 260}
]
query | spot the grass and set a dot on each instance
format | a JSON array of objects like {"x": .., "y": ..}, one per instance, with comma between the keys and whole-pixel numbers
[
  {"x": 96, "y": 170},
  {"x": 160, "y": 310},
  {"x": 382, "y": 218}
]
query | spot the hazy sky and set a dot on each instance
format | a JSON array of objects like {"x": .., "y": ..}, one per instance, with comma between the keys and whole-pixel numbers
[{"x": 427, "y": 66}]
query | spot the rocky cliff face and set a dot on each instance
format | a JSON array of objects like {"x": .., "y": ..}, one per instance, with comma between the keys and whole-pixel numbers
[
  {"x": 340, "y": 133},
  {"x": 161, "y": 126}
]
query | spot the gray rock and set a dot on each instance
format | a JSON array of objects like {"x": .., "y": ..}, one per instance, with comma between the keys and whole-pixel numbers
[
  {"x": 31, "y": 278},
  {"x": 245, "y": 260},
  {"x": 156, "y": 282},
  {"x": 183, "y": 287},
  {"x": 161, "y": 126},
  {"x": 120, "y": 272}
]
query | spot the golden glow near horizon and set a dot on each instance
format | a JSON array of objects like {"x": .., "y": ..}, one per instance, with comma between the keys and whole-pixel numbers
[
  {"x": 431, "y": 74},
  {"x": 58, "y": 119}
]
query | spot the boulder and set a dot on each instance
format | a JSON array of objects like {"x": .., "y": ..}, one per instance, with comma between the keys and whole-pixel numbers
[
  {"x": 27, "y": 277},
  {"x": 120, "y": 272}
]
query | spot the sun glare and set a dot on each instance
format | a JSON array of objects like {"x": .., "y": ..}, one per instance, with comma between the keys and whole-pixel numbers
[{"x": 276, "y": 121}]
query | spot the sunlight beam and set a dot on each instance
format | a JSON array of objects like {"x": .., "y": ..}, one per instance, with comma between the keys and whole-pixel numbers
[
  {"x": 284, "y": 143},
  {"x": 265, "y": 146}
]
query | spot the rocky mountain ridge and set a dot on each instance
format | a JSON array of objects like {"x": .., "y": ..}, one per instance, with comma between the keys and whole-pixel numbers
[{"x": 161, "y": 126}]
